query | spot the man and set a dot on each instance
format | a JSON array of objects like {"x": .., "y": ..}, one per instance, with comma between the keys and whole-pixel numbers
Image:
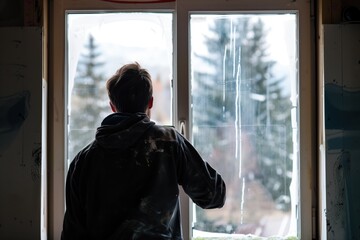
[{"x": 124, "y": 185}]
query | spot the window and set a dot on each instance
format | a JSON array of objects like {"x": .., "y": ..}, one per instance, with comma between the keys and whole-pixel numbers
[
  {"x": 232, "y": 72},
  {"x": 244, "y": 116},
  {"x": 100, "y": 43}
]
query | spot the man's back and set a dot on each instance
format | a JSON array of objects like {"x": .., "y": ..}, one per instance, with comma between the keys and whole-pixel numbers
[{"x": 124, "y": 185}]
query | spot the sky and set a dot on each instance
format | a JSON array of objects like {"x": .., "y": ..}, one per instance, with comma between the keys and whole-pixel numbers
[
  {"x": 153, "y": 30},
  {"x": 147, "y": 38}
]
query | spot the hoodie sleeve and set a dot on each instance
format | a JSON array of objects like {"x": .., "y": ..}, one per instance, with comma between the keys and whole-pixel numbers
[
  {"x": 74, "y": 219},
  {"x": 199, "y": 180}
]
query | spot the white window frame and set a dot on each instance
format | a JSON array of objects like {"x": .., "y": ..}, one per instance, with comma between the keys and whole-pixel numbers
[{"x": 181, "y": 10}]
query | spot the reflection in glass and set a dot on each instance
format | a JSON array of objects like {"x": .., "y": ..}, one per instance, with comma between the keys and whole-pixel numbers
[
  {"x": 244, "y": 110},
  {"x": 97, "y": 45}
]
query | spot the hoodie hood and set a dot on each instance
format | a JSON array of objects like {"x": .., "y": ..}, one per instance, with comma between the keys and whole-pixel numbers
[{"x": 119, "y": 131}]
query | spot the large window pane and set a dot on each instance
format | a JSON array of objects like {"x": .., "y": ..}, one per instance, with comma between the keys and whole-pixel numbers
[
  {"x": 97, "y": 45},
  {"x": 244, "y": 111}
]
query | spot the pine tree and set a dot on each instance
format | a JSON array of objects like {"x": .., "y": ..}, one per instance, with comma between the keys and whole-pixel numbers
[{"x": 88, "y": 101}]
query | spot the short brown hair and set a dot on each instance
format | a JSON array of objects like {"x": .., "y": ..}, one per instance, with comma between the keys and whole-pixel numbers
[{"x": 130, "y": 88}]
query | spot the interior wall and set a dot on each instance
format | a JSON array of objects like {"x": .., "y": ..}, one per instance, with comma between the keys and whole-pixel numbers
[
  {"x": 338, "y": 53},
  {"x": 20, "y": 132},
  {"x": 21, "y": 106},
  {"x": 334, "y": 11},
  {"x": 342, "y": 129}
]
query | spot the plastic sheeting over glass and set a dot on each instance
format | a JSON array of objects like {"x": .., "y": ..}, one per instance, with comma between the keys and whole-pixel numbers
[
  {"x": 100, "y": 43},
  {"x": 244, "y": 112}
]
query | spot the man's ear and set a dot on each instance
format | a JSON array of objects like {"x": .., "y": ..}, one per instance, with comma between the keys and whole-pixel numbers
[
  {"x": 113, "y": 108},
  {"x": 150, "y": 104}
]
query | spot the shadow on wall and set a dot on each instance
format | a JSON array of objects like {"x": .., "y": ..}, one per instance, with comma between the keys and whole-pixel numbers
[{"x": 14, "y": 110}]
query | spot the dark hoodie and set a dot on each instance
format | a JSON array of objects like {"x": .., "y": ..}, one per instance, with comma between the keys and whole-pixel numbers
[{"x": 124, "y": 185}]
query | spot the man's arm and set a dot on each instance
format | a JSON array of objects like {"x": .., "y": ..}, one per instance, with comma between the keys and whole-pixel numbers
[
  {"x": 199, "y": 180},
  {"x": 73, "y": 225}
]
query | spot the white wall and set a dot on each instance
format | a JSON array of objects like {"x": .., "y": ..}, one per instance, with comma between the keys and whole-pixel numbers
[{"x": 20, "y": 132}]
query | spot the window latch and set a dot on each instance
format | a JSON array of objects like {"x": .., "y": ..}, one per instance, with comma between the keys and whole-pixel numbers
[{"x": 182, "y": 124}]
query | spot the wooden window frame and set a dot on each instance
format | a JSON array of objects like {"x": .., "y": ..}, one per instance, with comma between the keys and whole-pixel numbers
[{"x": 181, "y": 10}]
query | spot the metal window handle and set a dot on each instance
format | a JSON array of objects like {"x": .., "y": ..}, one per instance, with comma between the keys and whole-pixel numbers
[{"x": 182, "y": 124}]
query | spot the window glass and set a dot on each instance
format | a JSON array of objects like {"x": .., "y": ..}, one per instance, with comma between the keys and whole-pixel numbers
[
  {"x": 97, "y": 45},
  {"x": 244, "y": 115},
  {"x": 244, "y": 106}
]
